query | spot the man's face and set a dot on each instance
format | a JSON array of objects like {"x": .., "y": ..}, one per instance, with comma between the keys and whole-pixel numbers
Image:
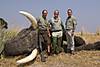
[
  {"x": 45, "y": 14},
  {"x": 56, "y": 15},
  {"x": 69, "y": 13}
]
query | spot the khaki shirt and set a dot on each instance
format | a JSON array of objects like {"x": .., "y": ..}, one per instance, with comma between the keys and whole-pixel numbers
[
  {"x": 70, "y": 23},
  {"x": 42, "y": 23}
]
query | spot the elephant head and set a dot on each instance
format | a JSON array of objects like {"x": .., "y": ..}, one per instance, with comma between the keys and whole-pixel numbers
[
  {"x": 34, "y": 26},
  {"x": 25, "y": 42}
]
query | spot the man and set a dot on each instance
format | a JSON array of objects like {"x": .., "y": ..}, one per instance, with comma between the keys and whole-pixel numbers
[
  {"x": 57, "y": 32},
  {"x": 44, "y": 39},
  {"x": 70, "y": 26}
]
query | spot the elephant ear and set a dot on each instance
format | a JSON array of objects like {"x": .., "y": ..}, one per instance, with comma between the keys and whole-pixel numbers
[{"x": 31, "y": 18}]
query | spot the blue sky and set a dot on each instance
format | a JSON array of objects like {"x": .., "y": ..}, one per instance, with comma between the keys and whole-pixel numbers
[{"x": 87, "y": 12}]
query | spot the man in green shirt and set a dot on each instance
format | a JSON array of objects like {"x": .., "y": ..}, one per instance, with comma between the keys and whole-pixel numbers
[{"x": 44, "y": 39}]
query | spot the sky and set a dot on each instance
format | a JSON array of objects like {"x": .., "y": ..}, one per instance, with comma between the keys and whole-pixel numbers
[{"x": 87, "y": 12}]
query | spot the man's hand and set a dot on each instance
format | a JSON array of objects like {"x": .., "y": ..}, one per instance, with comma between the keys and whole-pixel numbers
[{"x": 48, "y": 32}]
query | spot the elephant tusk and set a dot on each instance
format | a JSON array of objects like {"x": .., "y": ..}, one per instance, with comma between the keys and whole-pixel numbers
[
  {"x": 31, "y": 18},
  {"x": 28, "y": 58}
]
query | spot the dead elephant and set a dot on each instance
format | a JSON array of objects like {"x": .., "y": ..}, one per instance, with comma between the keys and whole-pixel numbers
[
  {"x": 26, "y": 42},
  {"x": 92, "y": 46}
]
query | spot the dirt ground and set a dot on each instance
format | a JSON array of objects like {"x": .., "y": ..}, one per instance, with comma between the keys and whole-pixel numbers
[{"x": 80, "y": 59}]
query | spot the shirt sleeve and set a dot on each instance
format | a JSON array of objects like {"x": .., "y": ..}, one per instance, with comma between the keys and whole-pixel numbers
[
  {"x": 39, "y": 23},
  {"x": 74, "y": 23}
]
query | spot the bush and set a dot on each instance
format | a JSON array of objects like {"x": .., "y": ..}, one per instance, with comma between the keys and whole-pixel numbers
[{"x": 4, "y": 36}]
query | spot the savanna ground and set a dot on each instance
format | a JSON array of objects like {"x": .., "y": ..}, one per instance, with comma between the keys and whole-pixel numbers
[{"x": 80, "y": 59}]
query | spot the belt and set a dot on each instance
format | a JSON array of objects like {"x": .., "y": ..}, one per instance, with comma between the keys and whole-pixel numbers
[
  {"x": 43, "y": 30},
  {"x": 56, "y": 30}
]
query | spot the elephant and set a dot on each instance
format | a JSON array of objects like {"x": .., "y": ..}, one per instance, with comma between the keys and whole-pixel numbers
[
  {"x": 26, "y": 41},
  {"x": 90, "y": 46}
]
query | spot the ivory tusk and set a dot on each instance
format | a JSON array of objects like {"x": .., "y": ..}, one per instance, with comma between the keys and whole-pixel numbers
[
  {"x": 28, "y": 58},
  {"x": 31, "y": 18}
]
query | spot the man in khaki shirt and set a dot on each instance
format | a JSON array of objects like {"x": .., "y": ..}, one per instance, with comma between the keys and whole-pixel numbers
[
  {"x": 56, "y": 32},
  {"x": 70, "y": 26}
]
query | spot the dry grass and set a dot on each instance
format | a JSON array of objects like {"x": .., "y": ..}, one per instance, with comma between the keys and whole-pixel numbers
[
  {"x": 80, "y": 59},
  {"x": 89, "y": 37}
]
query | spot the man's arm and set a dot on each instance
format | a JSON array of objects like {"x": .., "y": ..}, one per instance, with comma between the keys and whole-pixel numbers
[
  {"x": 40, "y": 26},
  {"x": 49, "y": 28},
  {"x": 74, "y": 23}
]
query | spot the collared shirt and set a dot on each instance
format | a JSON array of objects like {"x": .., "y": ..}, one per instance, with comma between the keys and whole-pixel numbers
[
  {"x": 70, "y": 23},
  {"x": 56, "y": 24},
  {"x": 42, "y": 23}
]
